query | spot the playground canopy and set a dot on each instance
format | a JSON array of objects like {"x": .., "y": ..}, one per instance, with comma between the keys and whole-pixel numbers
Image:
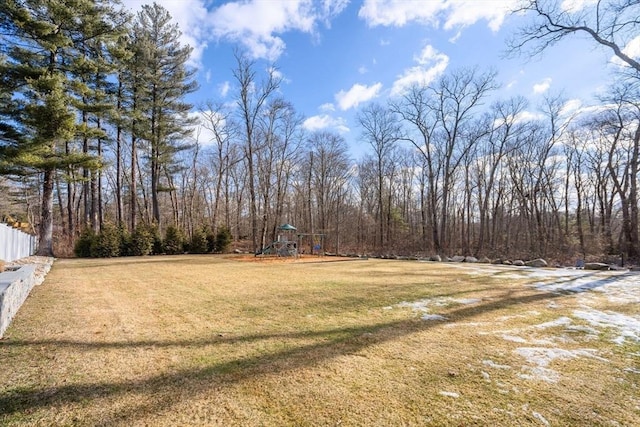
[{"x": 287, "y": 227}]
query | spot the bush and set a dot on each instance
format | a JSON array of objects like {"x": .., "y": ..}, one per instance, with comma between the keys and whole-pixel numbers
[
  {"x": 82, "y": 248},
  {"x": 173, "y": 241},
  {"x": 211, "y": 241},
  {"x": 198, "y": 244},
  {"x": 142, "y": 240},
  {"x": 125, "y": 241},
  {"x": 223, "y": 240},
  {"x": 107, "y": 242}
]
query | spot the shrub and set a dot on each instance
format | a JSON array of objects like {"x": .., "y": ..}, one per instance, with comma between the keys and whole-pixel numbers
[
  {"x": 82, "y": 248},
  {"x": 125, "y": 241},
  {"x": 198, "y": 244},
  {"x": 173, "y": 241},
  {"x": 211, "y": 241},
  {"x": 223, "y": 240},
  {"x": 107, "y": 242},
  {"x": 158, "y": 244},
  {"x": 142, "y": 240}
]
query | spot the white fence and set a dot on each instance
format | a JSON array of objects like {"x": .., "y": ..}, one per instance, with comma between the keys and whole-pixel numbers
[{"x": 15, "y": 244}]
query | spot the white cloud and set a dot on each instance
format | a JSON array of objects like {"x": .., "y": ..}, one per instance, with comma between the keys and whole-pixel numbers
[
  {"x": 431, "y": 64},
  {"x": 207, "y": 76},
  {"x": 573, "y": 6},
  {"x": 357, "y": 95},
  {"x": 328, "y": 107},
  {"x": 526, "y": 116},
  {"x": 542, "y": 87},
  {"x": 451, "y": 13},
  {"x": 363, "y": 70},
  {"x": 224, "y": 88},
  {"x": 325, "y": 121},
  {"x": 463, "y": 13},
  {"x": 399, "y": 12},
  {"x": 201, "y": 134},
  {"x": 256, "y": 24}
]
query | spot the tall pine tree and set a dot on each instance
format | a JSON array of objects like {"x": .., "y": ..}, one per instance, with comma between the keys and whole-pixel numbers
[
  {"x": 43, "y": 39},
  {"x": 167, "y": 80}
]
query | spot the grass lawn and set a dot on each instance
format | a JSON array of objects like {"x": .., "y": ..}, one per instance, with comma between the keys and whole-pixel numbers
[{"x": 212, "y": 340}]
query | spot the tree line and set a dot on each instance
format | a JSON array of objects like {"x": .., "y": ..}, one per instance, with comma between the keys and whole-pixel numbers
[{"x": 95, "y": 131}]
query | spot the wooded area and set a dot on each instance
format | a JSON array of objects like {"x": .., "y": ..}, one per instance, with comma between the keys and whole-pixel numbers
[{"x": 95, "y": 130}]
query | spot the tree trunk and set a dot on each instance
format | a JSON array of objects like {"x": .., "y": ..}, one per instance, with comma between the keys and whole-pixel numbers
[{"x": 45, "y": 235}]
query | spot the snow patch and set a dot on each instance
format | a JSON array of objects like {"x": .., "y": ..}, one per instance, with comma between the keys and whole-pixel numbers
[
  {"x": 514, "y": 338},
  {"x": 561, "y": 321},
  {"x": 467, "y": 301},
  {"x": 541, "y": 357},
  {"x": 492, "y": 364},
  {"x": 540, "y": 418},
  {"x": 628, "y": 326},
  {"x": 449, "y": 394},
  {"x": 433, "y": 317}
]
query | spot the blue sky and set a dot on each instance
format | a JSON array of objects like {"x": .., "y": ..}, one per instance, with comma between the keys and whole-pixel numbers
[{"x": 337, "y": 55}]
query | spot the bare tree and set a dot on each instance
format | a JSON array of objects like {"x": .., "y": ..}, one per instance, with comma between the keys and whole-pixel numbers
[
  {"x": 251, "y": 102},
  {"x": 609, "y": 23},
  {"x": 457, "y": 96},
  {"x": 218, "y": 120},
  {"x": 381, "y": 131},
  {"x": 506, "y": 127}
]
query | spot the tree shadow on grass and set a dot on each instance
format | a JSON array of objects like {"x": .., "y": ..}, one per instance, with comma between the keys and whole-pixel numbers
[{"x": 161, "y": 392}]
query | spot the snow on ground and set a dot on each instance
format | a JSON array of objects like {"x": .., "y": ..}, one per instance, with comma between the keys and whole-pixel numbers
[
  {"x": 626, "y": 326},
  {"x": 539, "y": 358},
  {"x": 617, "y": 287}
]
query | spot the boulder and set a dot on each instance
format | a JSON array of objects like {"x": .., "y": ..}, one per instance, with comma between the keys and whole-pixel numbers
[
  {"x": 484, "y": 260},
  {"x": 458, "y": 258},
  {"x": 435, "y": 258},
  {"x": 537, "y": 263},
  {"x": 596, "y": 266},
  {"x": 471, "y": 259},
  {"x": 497, "y": 261},
  {"x": 518, "y": 263},
  {"x": 507, "y": 262}
]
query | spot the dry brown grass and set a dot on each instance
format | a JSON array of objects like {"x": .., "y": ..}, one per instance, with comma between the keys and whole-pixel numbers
[{"x": 210, "y": 340}]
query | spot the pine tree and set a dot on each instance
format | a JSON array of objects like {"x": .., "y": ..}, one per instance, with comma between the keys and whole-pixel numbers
[
  {"x": 167, "y": 80},
  {"x": 42, "y": 40}
]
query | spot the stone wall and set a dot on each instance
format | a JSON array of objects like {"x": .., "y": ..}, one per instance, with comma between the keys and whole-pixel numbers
[{"x": 14, "y": 289}]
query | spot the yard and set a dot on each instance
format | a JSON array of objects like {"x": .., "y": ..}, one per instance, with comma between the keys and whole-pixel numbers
[{"x": 213, "y": 340}]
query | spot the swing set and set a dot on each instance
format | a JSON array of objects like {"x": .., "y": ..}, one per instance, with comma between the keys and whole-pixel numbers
[{"x": 285, "y": 246}]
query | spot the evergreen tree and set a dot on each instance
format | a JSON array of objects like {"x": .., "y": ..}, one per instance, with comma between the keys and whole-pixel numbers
[
  {"x": 167, "y": 79},
  {"x": 42, "y": 40}
]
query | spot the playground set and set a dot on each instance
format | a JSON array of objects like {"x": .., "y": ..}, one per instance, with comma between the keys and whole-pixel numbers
[{"x": 292, "y": 244}]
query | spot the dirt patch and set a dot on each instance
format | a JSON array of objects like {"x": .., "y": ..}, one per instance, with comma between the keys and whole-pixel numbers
[{"x": 277, "y": 259}]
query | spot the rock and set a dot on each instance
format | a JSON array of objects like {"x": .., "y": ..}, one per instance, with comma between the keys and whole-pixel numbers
[
  {"x": 497, "y": 261},
  {"x": 484, "y": 260},
  {"x": 596, "y": 266},
  {"x": 507, "y": 262},
  {"x": 471, "y": 259},
  {"x": 458, "y": 258},
  {"x": 435, "y": 258},
  {"x": 537, "y": 263},
  {"x": 518, "y": 263},
  {"x": 237, "y": 251}
]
